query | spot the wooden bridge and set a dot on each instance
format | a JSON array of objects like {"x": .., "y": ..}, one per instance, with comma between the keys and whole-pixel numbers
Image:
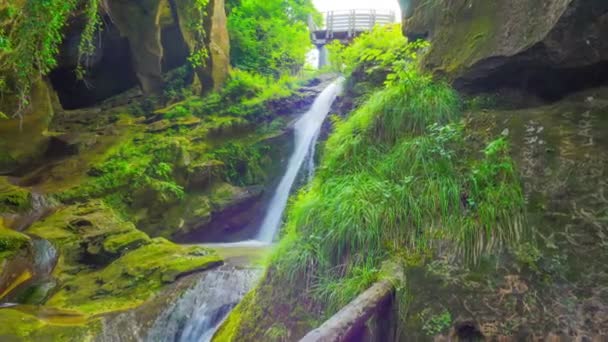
[{"x": 346, "y": 25}]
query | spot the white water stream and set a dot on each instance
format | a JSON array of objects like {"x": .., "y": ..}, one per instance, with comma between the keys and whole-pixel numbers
[{"x": 306, "y": 133}]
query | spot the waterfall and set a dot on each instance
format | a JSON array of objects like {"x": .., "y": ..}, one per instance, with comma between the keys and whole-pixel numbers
[
  {"x": 310, "y": 164},
  {"x": 306, "y": 132}
]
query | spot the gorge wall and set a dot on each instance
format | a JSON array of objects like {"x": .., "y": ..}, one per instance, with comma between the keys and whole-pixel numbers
[{"x": 548, "y": 48}]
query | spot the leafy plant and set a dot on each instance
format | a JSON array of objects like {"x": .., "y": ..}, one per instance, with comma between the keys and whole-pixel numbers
[{"x": 435, "y": 324}]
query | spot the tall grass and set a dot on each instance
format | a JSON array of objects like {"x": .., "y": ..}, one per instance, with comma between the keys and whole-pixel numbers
[{"x": 398, "y": 177}]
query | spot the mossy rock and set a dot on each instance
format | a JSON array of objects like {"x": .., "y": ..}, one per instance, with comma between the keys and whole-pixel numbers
[
  {"x": 13, "y": 199},
  {"x": 132, "y": 279},
  {"x": 88, "y": 234},
  {"x": 473, "y": 40},
  {"x": 11, "y": 242},
  {"x": 23, "y": 326}
]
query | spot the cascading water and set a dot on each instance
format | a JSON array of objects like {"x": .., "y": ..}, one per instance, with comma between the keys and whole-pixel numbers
[
  {"x": 197, "y": 314},
  {"x": 307, "y": 130}
]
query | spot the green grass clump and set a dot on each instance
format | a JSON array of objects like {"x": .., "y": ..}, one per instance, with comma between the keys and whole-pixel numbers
[{"x": 398, "y": 177}]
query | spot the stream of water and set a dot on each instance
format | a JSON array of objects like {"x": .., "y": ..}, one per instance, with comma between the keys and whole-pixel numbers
[
  {"x": 306, "y": 132},
  {"x": 199, "y": 312}
]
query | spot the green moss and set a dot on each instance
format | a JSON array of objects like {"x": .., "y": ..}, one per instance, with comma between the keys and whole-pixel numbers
[
  {"x": 132, "y": 279},
  {"x": 17, "y": 326},
  {"x": 11, "y": 242},
  {"x": 121, "y": 242},
  {"x": 22, "y": 326},
  {"x": 13, "y": 199},
  {"x": 89, "y": 231},
  {"x": 106, "y": 264}
]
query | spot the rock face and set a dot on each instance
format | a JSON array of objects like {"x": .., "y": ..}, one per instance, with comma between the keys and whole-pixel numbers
[
  {"x": 549, "y": 47},
  {"x": 214, "y": 69},
  {"x": 23, "y": 139},
  {"x": 140, "y": 21}
]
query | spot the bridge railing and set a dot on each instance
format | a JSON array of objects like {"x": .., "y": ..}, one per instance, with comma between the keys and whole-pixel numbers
[
  {"x": 345, "y": 25},
  {"x": 357, "y": 20}
]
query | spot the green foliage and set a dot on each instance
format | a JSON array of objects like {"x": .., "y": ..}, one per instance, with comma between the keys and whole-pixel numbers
[
  {"x": 87, "y": 47},
  {"x": 243, "y": 162},
  {"x": 177, "y": 85},
  {"x": 177, "y": 112},
  {"x": 195, "y": 22},
  {"x": 435, "y": 324},
  {"x": 269, "y": 36},
  {"x": 134, "y": 166},
  {"x": 373, "y": 52},
  {"x": 245, "y": 95}
]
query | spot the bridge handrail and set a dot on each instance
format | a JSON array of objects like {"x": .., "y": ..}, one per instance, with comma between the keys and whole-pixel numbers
[{"x": 382, "y": 16}]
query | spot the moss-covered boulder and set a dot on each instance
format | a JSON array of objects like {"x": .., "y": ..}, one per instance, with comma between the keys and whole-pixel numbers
[
  {"x": 88, "y": 234},
  {"x": 132, "y": 279},
  {"x": 548, "y": 46},
  {"x": 13, "y": 199},
  {"x": 106, "y": 264}
]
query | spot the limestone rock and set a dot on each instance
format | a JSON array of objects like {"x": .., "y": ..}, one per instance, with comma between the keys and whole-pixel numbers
[{"x": 550, "y": 46}]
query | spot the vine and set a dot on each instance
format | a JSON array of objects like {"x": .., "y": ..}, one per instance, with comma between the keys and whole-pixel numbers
[
  {"x": 200, "y": 54},
  {"x": 87, "y": 47}
]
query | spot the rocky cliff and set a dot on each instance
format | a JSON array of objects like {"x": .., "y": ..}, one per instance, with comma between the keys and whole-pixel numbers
[{"x": 548, "y": 47}]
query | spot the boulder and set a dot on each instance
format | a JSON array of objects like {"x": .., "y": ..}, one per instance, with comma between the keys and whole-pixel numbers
[{"x": 548, "y": 47}]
